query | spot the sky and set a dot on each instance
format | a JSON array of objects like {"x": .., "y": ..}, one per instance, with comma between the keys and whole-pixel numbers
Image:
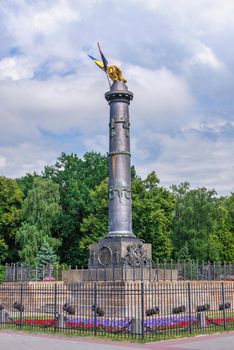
[{"x": 178, "y": 57}]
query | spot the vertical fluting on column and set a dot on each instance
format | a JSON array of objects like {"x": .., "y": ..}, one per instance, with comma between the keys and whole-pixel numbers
[{"x": 120, "y": 202}]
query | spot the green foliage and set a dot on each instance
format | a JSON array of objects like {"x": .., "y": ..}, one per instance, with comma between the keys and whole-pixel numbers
[
  {"x": 2, "y": 273},
  {"x": 11, "y": 199},
  {"x": 66, "y": 209},
  {"x": 229, "y": 204},
  {"x": 152, "y": 215},
  {"x": 26, "y": 182},
  {"x": 224, "y": 231},
  {"x": 76, "y": 178},
  {"x": 95, "y": 226},
  {"x": 153, "y": 208},
  {"x": 46, "y": 255},
  {"x": 201, "y": 225},
  {"x": 3, "y": 250},
  {"x": 40, "y": 213}
]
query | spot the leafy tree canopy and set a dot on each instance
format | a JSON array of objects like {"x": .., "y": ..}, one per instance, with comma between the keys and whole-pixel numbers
[
  {"x": 76, "y": 178},
  {"x": 11, "y": 198},
  {"x": 201, "y": 225},
  {"x": 40, "y": 213},
  {"x": 152, "y": 215},
  {"x": 67, "y": 207}
]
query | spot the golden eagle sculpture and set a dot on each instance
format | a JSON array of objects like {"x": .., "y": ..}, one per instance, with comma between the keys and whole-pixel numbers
[{"x": 113, "y": 72}]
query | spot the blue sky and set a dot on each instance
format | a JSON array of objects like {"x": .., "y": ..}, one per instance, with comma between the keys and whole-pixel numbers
[{"x": 177, "y": 56}]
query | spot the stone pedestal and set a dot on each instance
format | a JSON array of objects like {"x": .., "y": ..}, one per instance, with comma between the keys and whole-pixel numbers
[
  {"x": 119, "y": 252},
  {"x": 119, "y": 274}
]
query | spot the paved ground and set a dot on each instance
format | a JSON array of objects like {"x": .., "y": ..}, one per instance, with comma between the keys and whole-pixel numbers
[{"x": 24, "y": 341}]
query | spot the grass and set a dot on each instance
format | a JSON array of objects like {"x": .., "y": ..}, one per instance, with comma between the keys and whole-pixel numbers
[{"x": 156, "y": 335}]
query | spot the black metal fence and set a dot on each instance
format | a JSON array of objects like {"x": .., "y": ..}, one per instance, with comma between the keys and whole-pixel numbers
[
  {"x": 149, "y": 310},
  {"x": 19, "y": 272},
  {"x": 198, "y": 271},
  {"x": 166, "y": 270}
]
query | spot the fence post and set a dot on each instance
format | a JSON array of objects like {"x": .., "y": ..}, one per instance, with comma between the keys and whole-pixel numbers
[
  {"x": 13, "y": 276},
  {"x": 171, "y": 267},
  {"x": 191, "y": 269},
  {"x": 142, "y": 311},
  {"x": 223, "y": 302},
  {"x": 21, "y": 272},
  {"x": 208, "y": 271},
  {"x": 178, "y": 269},
  {"x": 157, "y": 269},
  {"x": 189, "y": 305},
  {"x": 95, "y": 308},
  {"x": 55, "y": 306},
  {"x": 185, "y": 270},
  {"x": 36, "y": 272},
  {"x": 142, "y": 272},
  {"x": 21, "y": 303}
]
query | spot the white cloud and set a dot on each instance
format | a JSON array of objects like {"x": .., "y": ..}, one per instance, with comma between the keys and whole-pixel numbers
[
  {"x": 2, "y": 162},
  {"x": 97, "y": 143},
  {"x": 16, "y": 68},
  {"x": 58, "y": 105},
  {"x": 41, "y": 29},
  {"x": 178, "y": 61},
  {"x": 190, "y": 157},
  {"x": 25, "y": 158},
  {"x": 205, "y": 56},
  {"x": 159, "y": 95},
  {"x": 208, "y": 13},
  {"x": 50, "y": 19}
]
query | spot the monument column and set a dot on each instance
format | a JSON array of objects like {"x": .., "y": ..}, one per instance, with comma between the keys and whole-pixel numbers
[
  {"x": 120, "y": 203},
  {"x": 120, "y": 247}
]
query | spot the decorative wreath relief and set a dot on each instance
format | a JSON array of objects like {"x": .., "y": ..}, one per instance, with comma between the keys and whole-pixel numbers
[{"x": 120, "y": 191}]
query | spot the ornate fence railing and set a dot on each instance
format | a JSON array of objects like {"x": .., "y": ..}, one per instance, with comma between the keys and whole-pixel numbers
[
  {"x": 149, "y": 310},
  {"x": 23, "y": 272},
  {"x": 156, "y": 271}
]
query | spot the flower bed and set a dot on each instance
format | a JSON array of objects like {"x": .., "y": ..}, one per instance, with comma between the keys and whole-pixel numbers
[
  {"x": 37, "y": 322},
  {"x": 219, "y": 321},
  {"x": 124, "y": 325}
]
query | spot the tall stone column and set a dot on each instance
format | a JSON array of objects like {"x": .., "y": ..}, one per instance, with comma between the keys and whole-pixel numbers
[
  {"x": 120, "y": 202},
  {"x": 120, "y": 247}
]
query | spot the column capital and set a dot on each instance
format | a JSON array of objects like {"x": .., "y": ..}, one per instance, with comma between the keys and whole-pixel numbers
[{"x": 119, "y": 92}]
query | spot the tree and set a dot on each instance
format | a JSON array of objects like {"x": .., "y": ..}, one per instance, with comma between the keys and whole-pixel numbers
[
  {"x": 229, "y": 204},
  {"x": 95, "y": 226},
  {"x": 224, "y": 230},
  {"x": 26, "y": 182},
  {"x": 40, "y": 213},
  {"x": 152, "y": 215},
  {"x": 200, "y": 226},
  {"x": 3, "y": 250},
  {"x": 76, "y": 178},
  {"x": 153, "y": 208},
  {"x": 11, "y": 199},
  {"x": 46, "y": 255}
]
